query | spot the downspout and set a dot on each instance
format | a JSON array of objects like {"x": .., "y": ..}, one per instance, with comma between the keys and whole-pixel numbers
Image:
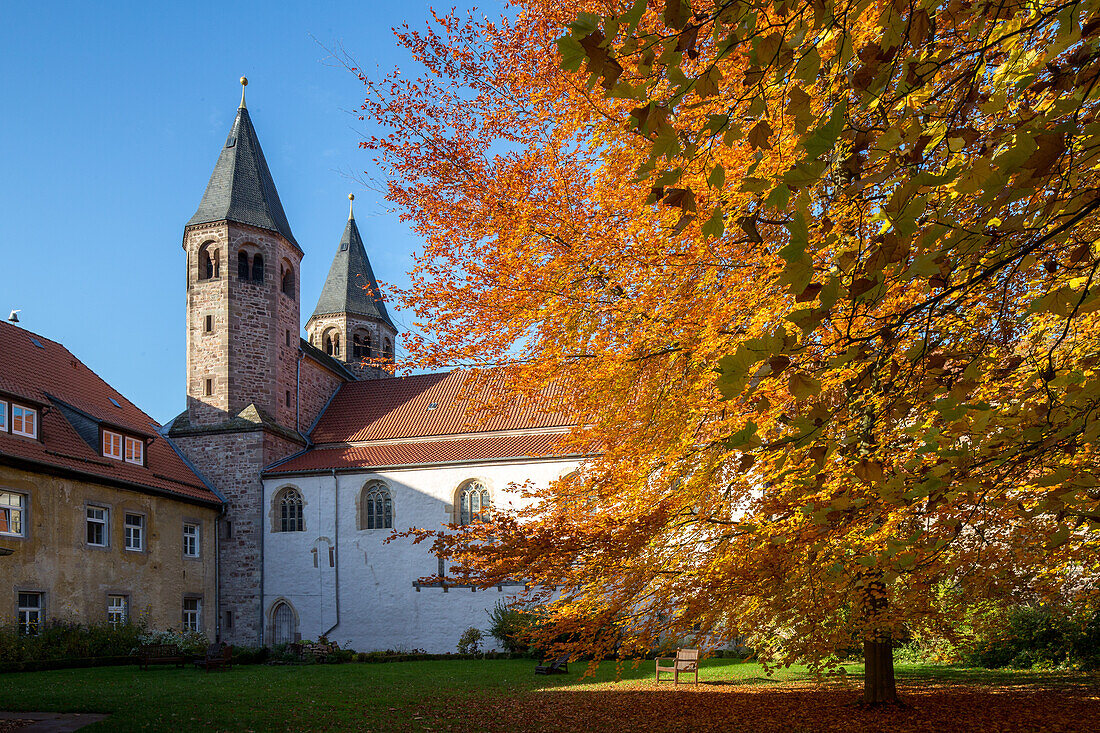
[
  {"x": 336, "y": 548},
  {"x": 217, "y": 586},
  {"x": 263, "y": 541}
]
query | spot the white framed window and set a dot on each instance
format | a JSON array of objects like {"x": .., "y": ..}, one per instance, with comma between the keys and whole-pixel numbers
[
  {"x": 29, "y": 613},
  {"x": 24, "y": 421},
  {"x": 117, "y": 610},
  {"x": 13, "y": 507},
  {"x": 134, "y": 530},
  {"x": 112, "y": 445},
  {"x": 190, "y": 539},
  {"x": 3, "y": 416},
  {"x": 96, "y": 526},
  {"x": 192, "y": 614},
  {"x": 135, "y": 451}
]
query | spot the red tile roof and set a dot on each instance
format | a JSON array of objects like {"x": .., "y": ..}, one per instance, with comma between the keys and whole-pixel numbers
[
  {"x": 430, "y": 419},
  {"x": 401, "y": 407},
  {"x": 38, "y": 374},
  {"x": 413, "y": 453}
]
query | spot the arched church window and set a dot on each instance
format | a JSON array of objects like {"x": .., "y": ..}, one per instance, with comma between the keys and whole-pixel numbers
[
  {"x": 366, "y": 346},
  {"x": 474, "y": 503},
  {"x": 258, "y": 268},
  {"x": 336, "y": 345},
  {"x": 283, "y": 624},
  {"x": 288, "y": 283},
  {"x": 376, "y": 507},
  {"x": 387, "y": 349},
  {"x": 328, "y": 344},
  {"x": 356, "y": 347},
  {"x": 290, "y": 517},
  {"x": 242, "y": 265}
]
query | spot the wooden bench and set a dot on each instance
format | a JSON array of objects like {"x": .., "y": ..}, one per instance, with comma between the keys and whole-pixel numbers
[
  {"x": 558, "y": 666},
  {"x": 160, "y": 654},
  {"x": 218, "y": 656},
  {"x": 686, "y": 662}
]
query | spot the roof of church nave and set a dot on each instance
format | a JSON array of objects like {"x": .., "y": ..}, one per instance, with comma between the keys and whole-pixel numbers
[
  {"x": 74, "y": 404},
  {"x": 350, "y": 286},
  {"x": 426, "y": 419},
  {"x": 241, "y": 188}
]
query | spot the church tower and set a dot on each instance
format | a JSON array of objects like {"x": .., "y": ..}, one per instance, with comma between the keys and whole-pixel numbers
[
  {"x": 350, "y": 322},
  {"x": 243, "y": 319}
]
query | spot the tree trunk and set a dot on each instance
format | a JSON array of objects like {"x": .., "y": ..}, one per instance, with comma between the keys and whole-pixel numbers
[{"x": 878, "y": 673}]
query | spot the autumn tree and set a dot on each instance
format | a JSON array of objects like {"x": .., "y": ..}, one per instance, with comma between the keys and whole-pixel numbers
[{"x": 818, "y": 282}]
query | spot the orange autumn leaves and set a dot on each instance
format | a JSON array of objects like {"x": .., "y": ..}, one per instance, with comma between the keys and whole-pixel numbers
[{"x": 819, "y": 282}]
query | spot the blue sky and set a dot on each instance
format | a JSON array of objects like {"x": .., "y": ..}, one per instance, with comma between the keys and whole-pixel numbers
[{"x": 114, "y": 117}]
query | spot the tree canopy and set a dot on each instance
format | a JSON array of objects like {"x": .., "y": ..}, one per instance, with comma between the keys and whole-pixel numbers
[{"x": 819, "y": 282}]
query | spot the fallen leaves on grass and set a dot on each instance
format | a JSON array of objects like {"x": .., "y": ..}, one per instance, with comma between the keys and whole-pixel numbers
[{"x": 789, "y": 708}]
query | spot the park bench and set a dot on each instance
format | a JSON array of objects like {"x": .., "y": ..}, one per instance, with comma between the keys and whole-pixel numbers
[
  {"x": 558, "y": 666},
  {"x": 160, "y": 654},
  {"x": 218, "y": 656},
  {"x": 686, "y": 662}
]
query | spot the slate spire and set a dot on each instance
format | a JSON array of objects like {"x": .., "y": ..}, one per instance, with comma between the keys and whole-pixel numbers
[
  {"x": 240, "y": 188},
  {"x": 350, "y": 286}
]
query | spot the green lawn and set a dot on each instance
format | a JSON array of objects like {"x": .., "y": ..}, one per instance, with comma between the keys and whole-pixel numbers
[{"x": 486, "y": 695}]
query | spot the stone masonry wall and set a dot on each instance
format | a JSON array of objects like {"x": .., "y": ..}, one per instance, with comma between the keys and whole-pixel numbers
[
  {"x": 317, "y": 386},
  {"x": 231, "y": 461},
  {"x": 349, "y": 326},
  {"x": 207, "y": 352}
]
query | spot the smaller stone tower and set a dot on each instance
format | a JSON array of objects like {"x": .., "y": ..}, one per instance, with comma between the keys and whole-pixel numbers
[{"x": 350, "y": 322}]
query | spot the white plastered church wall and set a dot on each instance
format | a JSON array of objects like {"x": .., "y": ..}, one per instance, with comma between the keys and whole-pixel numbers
[{"x": 363, "y": 594}]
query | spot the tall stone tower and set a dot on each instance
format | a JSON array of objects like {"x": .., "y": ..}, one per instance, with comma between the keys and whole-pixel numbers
[
  {"x": 350, "y": 322},
  {"x": 243, "y": 321}
]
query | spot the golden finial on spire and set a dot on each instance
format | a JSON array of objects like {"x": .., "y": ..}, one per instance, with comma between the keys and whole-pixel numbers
[
  {"x": 244, "y": 83},
  {"x": 351, "y": 206}
]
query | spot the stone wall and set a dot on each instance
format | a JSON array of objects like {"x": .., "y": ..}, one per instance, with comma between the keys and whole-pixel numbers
[
  {"x": 75, "y": 578},
  {"x": 348, "y": 326},
  {"x": 316, "y": 387}
]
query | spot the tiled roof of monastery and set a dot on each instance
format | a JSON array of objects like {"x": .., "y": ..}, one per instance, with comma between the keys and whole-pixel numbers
[
  {"x": 241, "y": 188},
  {"x": 426, "y": 452},
  {"x": 73, "y": 402},
  {"x": 427, "y": 419}
]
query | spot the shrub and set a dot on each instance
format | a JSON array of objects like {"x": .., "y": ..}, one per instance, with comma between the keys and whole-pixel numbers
[
  {"x": 1045, "y": 637},
  {"x": 511, "y": 626},
  {"x": 188, "y": 642},
  {"x": 59, "y": 639},
  {"x": 470, "y": 641}
]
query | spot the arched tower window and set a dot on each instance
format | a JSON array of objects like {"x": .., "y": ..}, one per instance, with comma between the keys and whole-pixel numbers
[
  {"x": 289, "y": 517},
  {"x": 387, "y": 349},
  {"x": 242, "y": 265},
  {"x": 208, "y": 262},
  {"x": 376, "y": 507},
  {"x": 288, "y": 282},
  {"x": 258, "y": 268},
  {"x": 474, "y": 503},
  {"x": 284, "y": 624},
  {"x": 336, "y": 344},
  {"x": 328, "y": 344},
  {"x": 356, "y": 347}
]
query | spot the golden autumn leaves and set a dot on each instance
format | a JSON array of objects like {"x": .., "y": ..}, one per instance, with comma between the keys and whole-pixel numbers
[{"x": 818, "y": 280}]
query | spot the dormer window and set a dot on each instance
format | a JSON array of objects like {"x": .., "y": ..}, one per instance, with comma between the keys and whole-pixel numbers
[
  {"x": 123, "y": 448},
  {"x": 24, "y": 421},
  {"x": 112, "y": 445},
  {"x": 135, "y": 451}
]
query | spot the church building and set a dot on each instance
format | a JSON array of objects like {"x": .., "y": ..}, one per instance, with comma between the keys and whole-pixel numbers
[{"x": 317, "y": 450}]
